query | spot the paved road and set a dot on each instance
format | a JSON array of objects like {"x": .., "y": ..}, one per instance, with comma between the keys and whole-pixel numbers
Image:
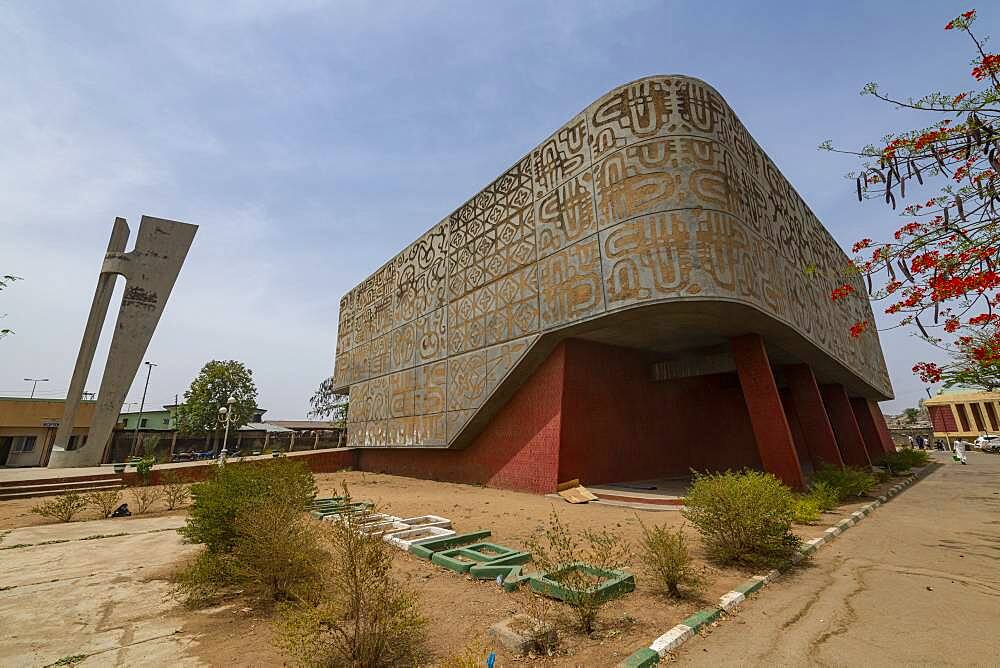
[{"x": 917, "y": 583}]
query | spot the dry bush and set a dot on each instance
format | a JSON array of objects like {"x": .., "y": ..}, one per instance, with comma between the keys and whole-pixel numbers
[
  {"x": 105, "y": 500},
  {"x": 206, "y": 579},
  {"x": 666, "y": 557},
  {"x": 557, "y": 545},
  {"x": 743, "y": 517},
  {"x": 63, "y": 507},
  {"x": 143, "y": 498},
  {"x": 238, "y": 486},
  {"x": 278, "y": 554},
  {"x": 175, "y": 490},
  {"x": 363, "y": 616},
  {"x": 472, "y": 655}
]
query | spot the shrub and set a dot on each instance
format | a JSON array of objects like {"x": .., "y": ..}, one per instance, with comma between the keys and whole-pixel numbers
[
  {"x": 277, "y": 553},
  {"x": 744, "y": 517},
  {"x": 206, "y": 579},
  {"x": 805, "y": 510},
  {"x": 105, "y": 500},
  {"x": 848, "y": 482},
  {"x": 363, "y": 616},
  {"x": 666, "y": 557},
  {"x": 907, "y": 458},
  {"x": 217, "y": 501},
  {"x": 825, "y": 496},
  {"x": 63, "y": 507},
  {"x": 557, "y": 545},
  {"x": 175, "y": 490},
  {"x": 143, "y": 498}
]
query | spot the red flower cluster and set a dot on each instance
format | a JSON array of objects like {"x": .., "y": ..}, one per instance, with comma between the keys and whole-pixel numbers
[
  {"x": 930, "y": 136},
  {"x": 989, "y": 65},
  {"x": 928, "y": 372},
  {"x": 955, "y": 23},
  {"x": 861, "y": 245},
  {"x": 841, "y": 292},
  {"x": 924, "y": 261},
  {"x": 858, "y": 328},
  {"x": 944, "y": 288},
  {"x": 959, "y": 98},
  {"x": 983, "y": 318}
]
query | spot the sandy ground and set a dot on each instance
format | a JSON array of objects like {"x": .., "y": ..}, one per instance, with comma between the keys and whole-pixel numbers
[
  {"x": 915, "y": 584},
  {"x": 126, "y": 616}
]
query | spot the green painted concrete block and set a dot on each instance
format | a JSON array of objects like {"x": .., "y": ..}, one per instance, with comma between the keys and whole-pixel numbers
[
  {"x": 458, "y": 559},
  {"x": 750, "y": 586},
  {"x": 490, "y": 571},
  {"x": 513, "y": 581},
  {"x": 640, "y": 659},
  {"x": 425, "y": 548},
  {"x": 701, "y": 618},
  {"x": 614, "y": 583}
]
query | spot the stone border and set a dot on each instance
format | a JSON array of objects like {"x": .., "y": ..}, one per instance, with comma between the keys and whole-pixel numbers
[{"x": 730, "y": 601}]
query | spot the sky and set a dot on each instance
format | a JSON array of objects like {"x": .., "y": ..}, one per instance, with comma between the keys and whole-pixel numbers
[{"x": 313, "y": 140}]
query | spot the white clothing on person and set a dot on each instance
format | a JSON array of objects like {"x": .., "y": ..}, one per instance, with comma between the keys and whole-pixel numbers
[{"x": 960, "y": 451}]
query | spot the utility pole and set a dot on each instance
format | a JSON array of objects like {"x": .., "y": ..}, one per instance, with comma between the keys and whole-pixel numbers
[
  {"x": 34, "y": 383},
  {"x": 142, "y": 404}
]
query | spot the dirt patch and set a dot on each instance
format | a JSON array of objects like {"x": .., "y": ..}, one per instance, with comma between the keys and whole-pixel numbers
[{"x": 459, "y": 608}]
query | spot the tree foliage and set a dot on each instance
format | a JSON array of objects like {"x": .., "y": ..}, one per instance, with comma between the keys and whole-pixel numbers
[
  {"x": 324, "y": 404},
  {"x": 209, "y": 391},
  {"x": 938, "y": 271},
  {"x": 5, "y": 280}
]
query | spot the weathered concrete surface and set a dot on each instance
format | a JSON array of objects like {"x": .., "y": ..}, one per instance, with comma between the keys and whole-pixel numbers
[
  {"x": 150, "y": 270},
  {"x": 78, "y": 530},
  {"x": 92, "y": 597},
  {"x": 915, "y": 584}
]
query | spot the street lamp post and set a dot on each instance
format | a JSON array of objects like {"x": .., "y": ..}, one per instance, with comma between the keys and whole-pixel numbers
[
  {"x": 142, "y": 405},
  {"x": 226, "y": 416},
  {"x": 34, "y": 383}
]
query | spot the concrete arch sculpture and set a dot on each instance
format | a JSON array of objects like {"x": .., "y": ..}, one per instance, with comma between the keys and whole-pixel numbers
[
  {"x": 150, "y": 270},
  {"x": 651, "y": 220}
]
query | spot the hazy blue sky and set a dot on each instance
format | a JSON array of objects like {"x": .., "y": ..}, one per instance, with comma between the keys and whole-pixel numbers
[{"x": 312, "y": 140}]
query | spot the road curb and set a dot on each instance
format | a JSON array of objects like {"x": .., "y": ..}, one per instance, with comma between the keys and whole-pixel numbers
[{"x": 731, "y": 600}]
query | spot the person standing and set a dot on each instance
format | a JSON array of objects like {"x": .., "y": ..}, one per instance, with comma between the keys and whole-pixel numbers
[
  {"x": 960, "y": 452},
  {"x": 909, "y": 440}
]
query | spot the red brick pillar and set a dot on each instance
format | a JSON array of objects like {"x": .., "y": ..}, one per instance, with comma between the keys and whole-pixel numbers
[
  {"x": 816, "y": 427},
  {"x": 883, "y": 429},
  {"x": 868, "y": 422},
  {"x": 845, "y": 426},
  {"x": 767, "y": 416}
]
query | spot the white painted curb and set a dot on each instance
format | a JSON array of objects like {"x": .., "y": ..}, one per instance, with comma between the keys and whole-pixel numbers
[{"x": 729, "y": 601}]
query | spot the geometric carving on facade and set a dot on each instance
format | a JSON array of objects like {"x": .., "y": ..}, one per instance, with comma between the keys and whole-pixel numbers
[
  {"x": 150, "y": 270},
  {"x": 655, "y": 192}
]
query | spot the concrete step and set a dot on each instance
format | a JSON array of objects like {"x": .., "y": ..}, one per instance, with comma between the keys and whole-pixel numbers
[
  {"x": 7, "y": 496},
  {"x": 22, "y": 489},
  {"x": 13, "y": 482}
]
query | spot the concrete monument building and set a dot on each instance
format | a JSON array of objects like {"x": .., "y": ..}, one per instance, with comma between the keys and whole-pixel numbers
[
  {"x": 150, "y": 270},
  {"x": 641, "y": 294}
]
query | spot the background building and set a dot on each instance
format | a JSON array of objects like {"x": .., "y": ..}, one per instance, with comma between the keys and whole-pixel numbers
[
  {"x": 963, "y": 413},
  {"x": 28, "y": 429}
]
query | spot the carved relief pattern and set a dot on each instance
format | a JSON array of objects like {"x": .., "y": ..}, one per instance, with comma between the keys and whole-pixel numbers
[
  {"x": 570, "y": 284},
  {"x": 656, "y": 191}
]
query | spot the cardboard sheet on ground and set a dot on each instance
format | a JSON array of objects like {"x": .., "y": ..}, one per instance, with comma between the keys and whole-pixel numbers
[{"x": 574, "y": 492}]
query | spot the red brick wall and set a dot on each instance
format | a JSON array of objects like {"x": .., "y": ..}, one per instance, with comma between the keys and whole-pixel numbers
[
  {"x": 942, "y": 418},
  {"x": 519, "y": 449},
  {"x": 618, "y": 425},
  {"x": 319, "y": 461}
]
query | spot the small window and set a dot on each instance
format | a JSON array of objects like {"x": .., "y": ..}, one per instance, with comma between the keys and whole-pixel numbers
[
  {"x": 76, "y": 442},
  {"x": 142, "y": 423},
  {"x": 125, "y": 423},
  {"x": 23, "y": 444},
  {"x": 166, "y": 421}
]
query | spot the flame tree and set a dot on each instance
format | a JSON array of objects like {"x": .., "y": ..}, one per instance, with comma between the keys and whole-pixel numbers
[{"x": 938, "y": 272}]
